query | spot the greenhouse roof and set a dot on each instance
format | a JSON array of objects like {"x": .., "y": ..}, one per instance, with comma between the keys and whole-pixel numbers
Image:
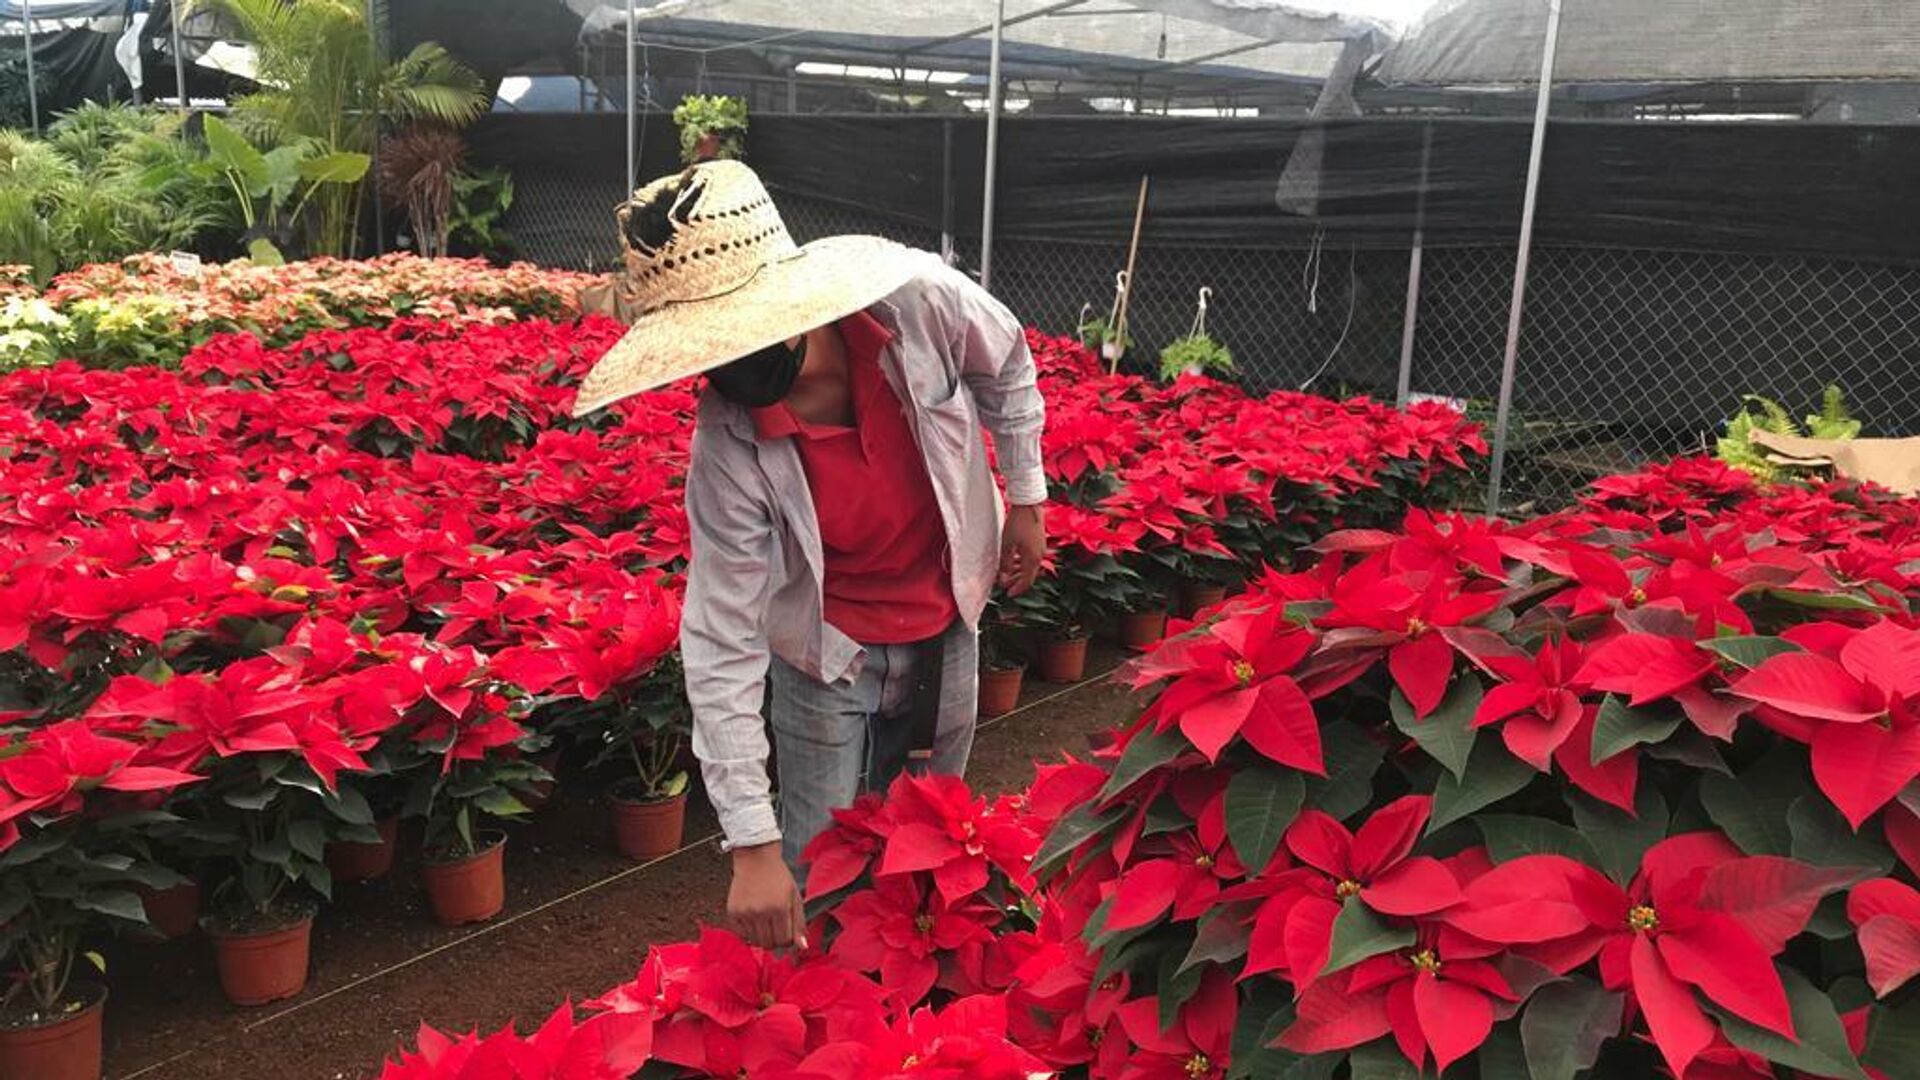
[
  {"x": 1065, "y": 39},
  {"x": 1498, "y": 42}
]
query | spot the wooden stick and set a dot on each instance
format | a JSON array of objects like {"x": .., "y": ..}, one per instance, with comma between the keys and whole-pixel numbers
[{"x": 1133, "y": 252}]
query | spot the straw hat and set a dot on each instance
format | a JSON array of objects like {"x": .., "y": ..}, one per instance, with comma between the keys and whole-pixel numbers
[{"x": 712, "y": 276}]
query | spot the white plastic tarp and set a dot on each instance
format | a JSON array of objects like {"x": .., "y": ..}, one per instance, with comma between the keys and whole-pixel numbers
[
  {"x": 1241, "y": 37},
  {"x": 1497, "y": 42}
]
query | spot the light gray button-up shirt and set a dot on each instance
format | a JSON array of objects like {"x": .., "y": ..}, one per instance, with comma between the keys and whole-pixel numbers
[{"x": 958, "y": 360}]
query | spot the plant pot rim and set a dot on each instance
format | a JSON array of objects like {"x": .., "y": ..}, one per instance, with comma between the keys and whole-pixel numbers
[
  {"x": 1078, "y": 637},
  {"x": 486, "y": 840},
  {"x": 285, "y": 915},
  {"x": 1004, "y": 667},
  {"x": 87, "y": 993},
  {"x": 620, "y": 792}
]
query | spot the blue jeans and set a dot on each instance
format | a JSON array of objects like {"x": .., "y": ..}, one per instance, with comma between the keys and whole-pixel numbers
[{"x": 834, "y": 741}]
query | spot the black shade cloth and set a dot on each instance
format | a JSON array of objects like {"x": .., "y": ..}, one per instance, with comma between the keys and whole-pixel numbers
[{"x": 1834, "y": 191}]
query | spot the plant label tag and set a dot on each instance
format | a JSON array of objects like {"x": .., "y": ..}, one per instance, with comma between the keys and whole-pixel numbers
[{"x": 185, "y": 262}]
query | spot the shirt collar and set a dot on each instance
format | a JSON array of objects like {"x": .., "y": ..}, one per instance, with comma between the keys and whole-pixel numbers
[{"x": 865, "y": 337}]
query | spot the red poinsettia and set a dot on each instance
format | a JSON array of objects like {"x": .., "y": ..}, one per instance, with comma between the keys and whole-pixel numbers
[
  {"x": 1887, "y": 915},
  {"x": 1437, "y": 1000},
  {"x": 901, "y": 929},
  {"x": 964, "y": 1041},
  {"x": 937, "y": 824},
  {"x": 1857, "y": 707},
  {"x": 1184, "y": 877},
  {"x": 1408, "y": 616},
  {"x": 1232, "y": 681},
  {"x": 1197, "y": 1046},
  {"x": 1699, "y": 918},
  {"x": 609, "y": 1046},
  {"x": 54, "y": 767},
  {"x": 1374, "y": 866}
]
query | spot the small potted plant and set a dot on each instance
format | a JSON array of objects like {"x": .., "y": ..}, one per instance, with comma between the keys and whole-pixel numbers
[
  {"x": 276, "y": 815},
  {"x": 1002, "y": 670},
  {"x": 484, "y": 773},
  {"x": 1101, "y": 335},
  {"x": 1195, "y": 354},
  {"x": 712, "y": 127},
  {"x": 1143, "y": 615},
  {"x": 64, "y": 879},
  {"x": 1061, "y": 605},
  {"x": 360, "y": 853},
  {"x": 645, "y": 729}
]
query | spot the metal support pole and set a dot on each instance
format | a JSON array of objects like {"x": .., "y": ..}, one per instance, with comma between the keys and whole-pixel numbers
[
  {"x": 1411, "y": 321},
  {"x": 633, "y": 93},
  {"x": 1503, "y": 413},
  {"x": 946, "y": 191},
  {"x": 993, "y": 145},
  {"x": 33, "y": 86},
  {"x": 179, "y": 57}
]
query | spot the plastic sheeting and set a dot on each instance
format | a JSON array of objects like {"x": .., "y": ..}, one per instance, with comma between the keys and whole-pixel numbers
[
  {"x": 1497, "y": 42},
  {"x": 73, "y": 49}
]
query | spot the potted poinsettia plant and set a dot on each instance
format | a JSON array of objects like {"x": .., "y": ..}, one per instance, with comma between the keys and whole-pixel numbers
[
  {"x": 69, "y": 869},
  {"x": 1002, "y": 668},
  {"x": 712, "y": 127},
  {"x": 644, "y": 730},
  {"x": 479, "y": 772},
  {"x": 1062, "y": 604}
]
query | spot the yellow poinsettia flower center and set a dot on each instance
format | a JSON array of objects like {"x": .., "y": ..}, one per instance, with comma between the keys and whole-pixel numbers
[
  {"x": 767, "y": 999},
  {"x": 1243, "y": 673},
  {"x": 1643, "y": 918},
  {"x": 1417, "y": 626},
  {"x": 1347, "y": 888},
  {"x": 1204, "y": 862},
  {"x": 1198, "y": 1066},
  {"x": 923, "y": 923},
  {"x": 1636, "y": 596},
  {"x": 1427, "y": 961},
  {"x": 912, "y": 1062}
]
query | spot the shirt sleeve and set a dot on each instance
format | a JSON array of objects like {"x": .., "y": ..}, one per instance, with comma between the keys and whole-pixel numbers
[
  {"x": 723, "y": 643},
  {"x": 998, "y": 368}
]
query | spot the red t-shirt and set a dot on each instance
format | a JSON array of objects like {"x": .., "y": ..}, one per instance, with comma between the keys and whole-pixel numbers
[{"x": 888, "y": 577}]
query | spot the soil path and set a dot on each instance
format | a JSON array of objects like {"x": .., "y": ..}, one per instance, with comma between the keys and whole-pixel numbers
[{"x": 578, "y": 920}]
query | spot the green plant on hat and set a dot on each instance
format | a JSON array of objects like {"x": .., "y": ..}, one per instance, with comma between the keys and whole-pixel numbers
[{"x": 715, "y": 116}]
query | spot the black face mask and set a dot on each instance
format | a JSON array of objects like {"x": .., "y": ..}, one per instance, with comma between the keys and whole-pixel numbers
[{"x": 760, "y": 379}]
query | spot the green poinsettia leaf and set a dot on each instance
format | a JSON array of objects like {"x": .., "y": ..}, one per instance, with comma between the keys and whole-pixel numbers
[
  {"x": 1620, "y": 727},
  {"x": 1492, "y": 774},
  {"x": 1820, "y": 1043},
  {"x": 1261, "y": 802},
  {"x": 1359, "y": 933},
  {"x": 1566, "y": 1024},
  {"x": 1446, "y": 734}
]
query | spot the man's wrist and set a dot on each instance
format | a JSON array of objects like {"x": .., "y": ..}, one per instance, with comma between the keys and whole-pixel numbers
[{"x": 756, "y": 853}]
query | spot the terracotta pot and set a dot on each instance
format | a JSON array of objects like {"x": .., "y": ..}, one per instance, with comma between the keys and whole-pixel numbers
[
  {"x": 262, "y": 966},
  {"x": 358, "y": 861},
  {"x": 1000, "y": 690},
  {"x": 64, "y": 1049},
  {"x": 646, "y": 828},
  {"x": 470, "y": 889},
  {"x": 1063, "y": 661},
  {"x": 1198, "y": 596},
  {"x": 1140, "y": 630},
  {"x": 172, "y": 912}
]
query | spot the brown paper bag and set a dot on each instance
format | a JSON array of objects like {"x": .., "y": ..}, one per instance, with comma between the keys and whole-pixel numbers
[{"x": 1892, "y": 463}]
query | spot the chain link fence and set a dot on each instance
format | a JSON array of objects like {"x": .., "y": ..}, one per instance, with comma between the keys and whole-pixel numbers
[{"x": 1626, "y": 357}]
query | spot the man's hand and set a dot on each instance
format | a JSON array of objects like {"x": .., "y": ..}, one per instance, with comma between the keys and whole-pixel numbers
[
  {"x": 764, "y": 904},
  {"x": 1023, "y": 546}
]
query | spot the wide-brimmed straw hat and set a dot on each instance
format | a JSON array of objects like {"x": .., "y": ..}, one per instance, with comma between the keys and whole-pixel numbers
[{"x": 712, "y": 275}]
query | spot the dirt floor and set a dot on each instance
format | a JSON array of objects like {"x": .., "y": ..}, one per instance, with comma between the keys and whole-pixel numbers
[{"x": 577, "y": 921}]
